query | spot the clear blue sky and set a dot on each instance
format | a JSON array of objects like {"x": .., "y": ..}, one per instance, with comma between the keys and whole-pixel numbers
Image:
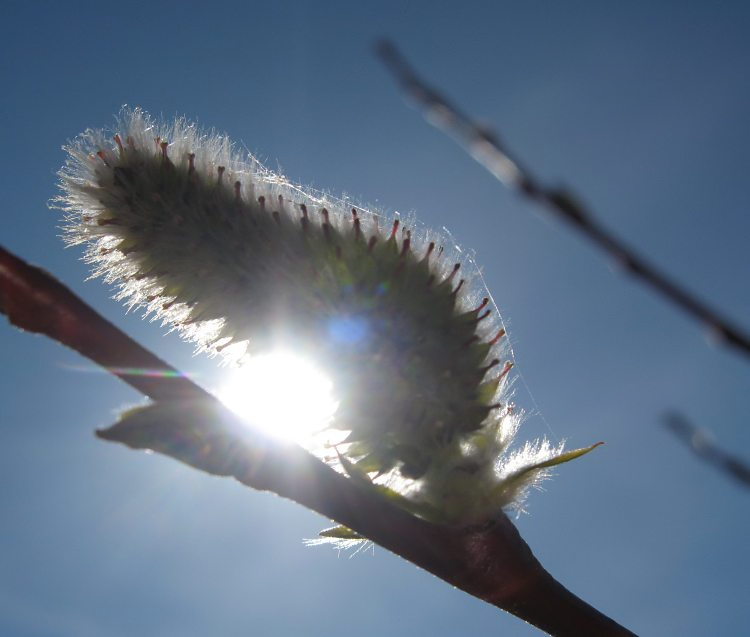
[{"x": 641, "y": 107}]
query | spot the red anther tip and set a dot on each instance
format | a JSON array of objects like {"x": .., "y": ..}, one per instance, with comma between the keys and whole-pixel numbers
[
  {"x": 506, "y": 369},
  {"x": 499, "y": 335},
  {"x": 458, "y": 288},
  {"x": 483, "y": 316},
  {"x": 430, "y": 248},
  {"x": 371, "y": 243},
  {"x": 493, "y": 363},
  {"x": 220, "y": 172},
  {"x": 103, "y": 156},
  {"x": 453, "y": 273},
  {"x": 118, "y": 141},
  {"x": 262, "y": 202},
  {"x": 324, "y": 212},
  {"x": 237, "y": 188},
  {"x": 354, "y": 213},
  {"x": 163, "y": 147},
  {"x": 191, "y": 163},
  {"x": 394, "y": 229},
  {"x": 405, "y": 245},
  {"x": 303, "y": 208}
]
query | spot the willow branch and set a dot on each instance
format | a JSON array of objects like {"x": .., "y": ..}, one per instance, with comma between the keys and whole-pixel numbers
[
  {"x": 35, "y": 301},
  {"x": 702, "y": 445},
  {"x": 492, "y": 563},
  {"x": 484, "y": 146}
]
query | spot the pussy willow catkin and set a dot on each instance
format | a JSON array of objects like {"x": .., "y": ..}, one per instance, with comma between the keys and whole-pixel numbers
[{"x": 238, "y": 258}]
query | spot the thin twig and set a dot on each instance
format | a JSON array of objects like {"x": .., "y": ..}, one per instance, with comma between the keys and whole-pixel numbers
[
  {"x": 702, "y": 444},
  {"x": 487, "y": 149},
  {"x": 492, "y": 562}
]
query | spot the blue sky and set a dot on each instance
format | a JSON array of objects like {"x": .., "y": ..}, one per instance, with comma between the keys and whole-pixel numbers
[{"x": 640, "y": 107}]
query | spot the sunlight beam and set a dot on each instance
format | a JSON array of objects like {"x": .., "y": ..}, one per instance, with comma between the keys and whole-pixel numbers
[{"x": 281, "y": 393}]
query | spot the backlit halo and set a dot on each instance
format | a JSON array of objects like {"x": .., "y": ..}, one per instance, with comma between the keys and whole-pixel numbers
[{"x": 282, "y": 394}]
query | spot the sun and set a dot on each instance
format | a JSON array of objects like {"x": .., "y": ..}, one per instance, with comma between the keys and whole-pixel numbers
[{"x": 282, "y": 394}]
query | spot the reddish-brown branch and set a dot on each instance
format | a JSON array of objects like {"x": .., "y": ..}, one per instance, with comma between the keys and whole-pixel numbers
[
  {"x": 492, "y": 563},
  {"x": 35, "y": 301}
]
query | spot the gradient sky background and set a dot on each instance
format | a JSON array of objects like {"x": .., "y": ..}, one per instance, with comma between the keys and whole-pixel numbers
[{"x": 641, "y": 107}]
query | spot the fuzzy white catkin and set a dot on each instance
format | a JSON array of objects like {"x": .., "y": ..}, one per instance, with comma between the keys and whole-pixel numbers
[{"x": 240, "y": 259}]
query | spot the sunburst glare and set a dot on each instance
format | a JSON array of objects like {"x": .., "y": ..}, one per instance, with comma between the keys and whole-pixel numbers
[{"x": 281, "y": 393}]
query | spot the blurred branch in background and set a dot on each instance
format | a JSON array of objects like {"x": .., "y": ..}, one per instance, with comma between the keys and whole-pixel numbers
[
  {"x": 484, "y": 146},
  {"x": 702, "y": 444}
]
